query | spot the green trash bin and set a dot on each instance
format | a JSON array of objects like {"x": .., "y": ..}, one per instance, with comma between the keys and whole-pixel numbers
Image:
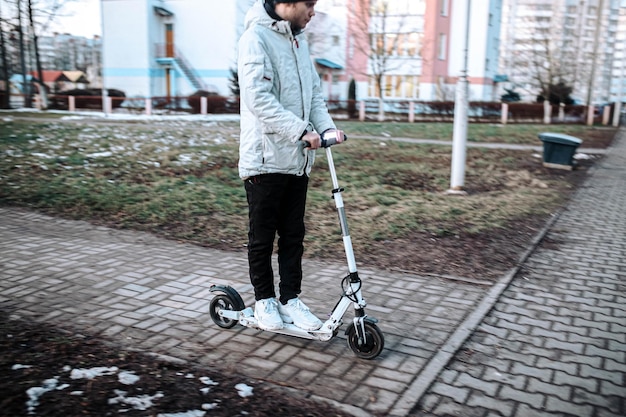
[{"x": 559, "y": 150}]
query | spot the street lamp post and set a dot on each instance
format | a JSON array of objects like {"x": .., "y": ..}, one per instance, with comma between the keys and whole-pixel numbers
[
  {"x": 105, "y": 100},
  {"x": 459, "y": 134}
]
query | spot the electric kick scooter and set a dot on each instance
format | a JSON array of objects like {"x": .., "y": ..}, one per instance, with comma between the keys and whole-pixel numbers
[{"x": 227, "y": 308}]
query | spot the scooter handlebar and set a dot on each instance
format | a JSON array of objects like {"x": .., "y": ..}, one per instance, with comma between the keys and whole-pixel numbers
[{"x": 329, "y": 138}]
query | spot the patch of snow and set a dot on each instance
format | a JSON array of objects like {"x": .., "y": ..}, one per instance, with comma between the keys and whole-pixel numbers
[
  {"x": 18, "y": 366},
  {"x": 13, "y": 153},
  {"x": 209, "y": 406},
  {"x": 185, "y": 158},
  {"x": 191, "y": 413},
  {"x": 207, "y": 381},
  {"x": 142, "y": 402},
  {"x": 99, "y": 154},
  {"x": 127, "y": 378},
  {"x": 118, "y": 116},
  {"x": 34, "y": 393},
  {"x": 244, "y": 390},
  {"x": 76, "y": 393},
  {"x": 582, "y": 156},
  {"x": 42, "y": 155},
  {"x": 93, "y": 372}
]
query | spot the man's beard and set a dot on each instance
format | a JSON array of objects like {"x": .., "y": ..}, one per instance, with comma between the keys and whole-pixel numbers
[{"x": 295, "y": 28}]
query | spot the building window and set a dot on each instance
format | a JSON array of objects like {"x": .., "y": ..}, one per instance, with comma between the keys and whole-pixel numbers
[
  {"x": 413, "y": 44},
  {"x": 370, "y": 88},
  {"x": 377, "y": 43},
  {"x": 441, "y": 46},
  {"x": 379, "y": 8},
  {"x": 387, "y": 86},
  {"x": 444, "y": 7},
  {"x": 390, "y": 43},
  {"x": 396, "y": 86},
  {"x": 351, "y": 47},
  {"x": 398, "y": 7}
]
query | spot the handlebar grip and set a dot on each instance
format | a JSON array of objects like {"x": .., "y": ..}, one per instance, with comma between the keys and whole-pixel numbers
[
  {"x": 330, "y": 138},
  {"x": 327, "y": 140}
]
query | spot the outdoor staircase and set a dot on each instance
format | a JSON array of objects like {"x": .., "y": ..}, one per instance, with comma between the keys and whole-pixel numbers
[{"x": 182, "y": 66}]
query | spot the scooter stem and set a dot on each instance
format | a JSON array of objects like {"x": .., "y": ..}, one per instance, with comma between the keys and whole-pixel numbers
[{"x": 347, "y": 241}]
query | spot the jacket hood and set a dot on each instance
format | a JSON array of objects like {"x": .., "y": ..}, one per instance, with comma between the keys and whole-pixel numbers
[{"x": 257, "y": 15}]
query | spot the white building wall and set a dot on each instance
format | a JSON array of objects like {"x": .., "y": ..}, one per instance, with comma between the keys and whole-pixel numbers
[
  {"x": 205, "y": 33},
  {"x": 126, "y": 60}
]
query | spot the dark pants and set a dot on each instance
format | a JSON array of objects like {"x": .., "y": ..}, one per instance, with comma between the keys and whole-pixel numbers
[{"x": 276, "y": 204}]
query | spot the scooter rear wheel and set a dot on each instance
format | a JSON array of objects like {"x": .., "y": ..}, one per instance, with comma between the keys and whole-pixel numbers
[
  {"x": 218, "y": 303},
  {"x": 372, "y": 344}
]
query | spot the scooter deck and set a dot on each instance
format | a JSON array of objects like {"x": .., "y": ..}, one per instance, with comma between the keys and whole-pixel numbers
[{"x": 246, "y": 318}]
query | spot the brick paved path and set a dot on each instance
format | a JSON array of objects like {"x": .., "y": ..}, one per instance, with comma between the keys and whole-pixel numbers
[
  {"x": 555, "y": 342},
  {"x": 153, "y": 294}
]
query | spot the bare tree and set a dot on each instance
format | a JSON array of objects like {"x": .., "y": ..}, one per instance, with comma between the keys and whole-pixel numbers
[
  {"x": 25, "y": 81},
  {"x": 32, "y": 17},
  {"x": 42, "y": 86},
  {"x": 379, "y": 31},
  {"x": 6, "y": 97},
  {"x": 542, "y": 58}
]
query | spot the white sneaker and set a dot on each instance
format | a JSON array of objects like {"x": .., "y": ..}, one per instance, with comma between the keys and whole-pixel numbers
[
  {"x": 300, "y": 314},
  {"x": 266, "y": 314}
]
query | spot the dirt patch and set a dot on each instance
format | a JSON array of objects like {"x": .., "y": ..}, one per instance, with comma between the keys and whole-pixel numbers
[
  {"x": 485, "y": 255},
  {"x": 50, "y": 372}
]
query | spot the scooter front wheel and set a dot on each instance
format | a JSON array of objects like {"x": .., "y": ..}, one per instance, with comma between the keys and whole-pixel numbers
[
  {"x": 369, "y": 346},
  {"x": 218, "y": 303}
]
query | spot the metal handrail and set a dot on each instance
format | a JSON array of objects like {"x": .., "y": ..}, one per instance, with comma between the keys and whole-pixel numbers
[{"x": 183, "y": 63}]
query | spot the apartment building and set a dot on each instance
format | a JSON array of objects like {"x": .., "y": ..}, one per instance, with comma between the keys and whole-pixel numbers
[
  {"x": 549, "y": 41},
  {"x": 459, "y": 36},
  {"x": 414, "y": 49},
  {"x": 65, "y": 52},
  {"x": 618, "y": 73}
]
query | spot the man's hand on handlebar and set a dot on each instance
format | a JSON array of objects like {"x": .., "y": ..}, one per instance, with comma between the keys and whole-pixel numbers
[
  {"x": 312, "y": 140},
  {"x": 332, "y": 137},
  {"x": 329, "y": 138}
]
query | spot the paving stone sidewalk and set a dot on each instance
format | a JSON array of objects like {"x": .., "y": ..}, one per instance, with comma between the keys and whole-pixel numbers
[
  {"x": 555, "y": 342},
  {"x": 153, "y": 294}
]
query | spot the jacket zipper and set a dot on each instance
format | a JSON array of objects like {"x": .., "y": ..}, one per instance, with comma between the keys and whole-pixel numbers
[
  {"x": 295, "y": 41},
  {"x": 306, "y": 153}
]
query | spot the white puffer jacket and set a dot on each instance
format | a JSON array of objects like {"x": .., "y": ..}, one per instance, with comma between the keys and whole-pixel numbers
[{"x": 280, "y": 97}]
